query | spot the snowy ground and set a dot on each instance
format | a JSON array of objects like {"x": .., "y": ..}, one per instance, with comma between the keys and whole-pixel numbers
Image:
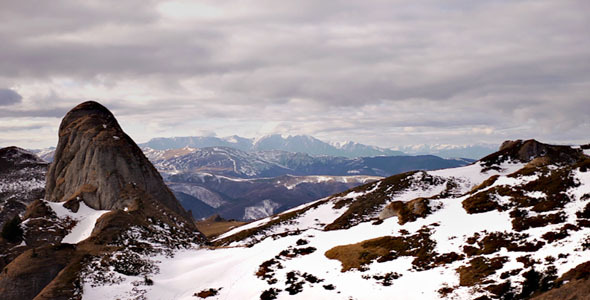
[
  {"x": 85, "y": 219},
  {"x": 232, "y": 270}
]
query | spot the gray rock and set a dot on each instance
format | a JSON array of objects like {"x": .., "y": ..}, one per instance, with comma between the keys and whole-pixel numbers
[{"x": 95, "y": 161}]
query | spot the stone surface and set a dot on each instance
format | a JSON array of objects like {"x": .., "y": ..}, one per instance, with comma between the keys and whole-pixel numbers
[{"x": 100, "y": 164}]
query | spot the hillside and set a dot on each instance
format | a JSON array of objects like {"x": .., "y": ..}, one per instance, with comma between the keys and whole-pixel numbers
[
  {"x": 22, "y": 180},
  {"x": 251, "y": 185},
  {"x": 510, "y": 226},
  {"x": 249, "y": 199}
]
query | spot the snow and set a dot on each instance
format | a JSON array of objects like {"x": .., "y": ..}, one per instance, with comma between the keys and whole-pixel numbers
[
  {"x": 85, "y": 216},
  {"x": 473, "y": 175},
  {"x": 233, "y": 268},
  {"x": 294, "y": 181},
  {"x": 21, "y": 184},
  {"x": 264, "y": 209},
  {"x": 587, "y": 152}
]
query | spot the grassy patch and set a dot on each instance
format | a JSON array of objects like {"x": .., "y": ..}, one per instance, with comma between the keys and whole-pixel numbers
[
  {"x": 478, "y": 269},
  {"x": 355, "y": 256},
  {"x": 213, "y": 229}
]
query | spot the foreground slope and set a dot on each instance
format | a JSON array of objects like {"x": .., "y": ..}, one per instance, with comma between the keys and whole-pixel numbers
[
  {"x": 252, "y": 185},
  {"x": 512, "y": 225},
  {"x": 107, "y": 210}
]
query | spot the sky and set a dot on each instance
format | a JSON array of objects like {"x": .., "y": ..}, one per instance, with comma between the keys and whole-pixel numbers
[{"x": 385, "y": 73}]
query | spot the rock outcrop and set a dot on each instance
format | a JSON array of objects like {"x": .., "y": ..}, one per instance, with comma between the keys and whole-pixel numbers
[
  {"x": 96, "y": 162},
  {"x": 534, "y": 153}
]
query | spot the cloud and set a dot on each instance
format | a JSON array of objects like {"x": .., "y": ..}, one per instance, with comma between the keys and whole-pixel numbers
[
  {"x": 9, "y": 97},
  {"x": 457, "y": 71}
]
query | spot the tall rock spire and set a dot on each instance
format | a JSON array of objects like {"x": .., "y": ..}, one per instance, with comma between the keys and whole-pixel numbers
[{"x": 96, "y": 162}]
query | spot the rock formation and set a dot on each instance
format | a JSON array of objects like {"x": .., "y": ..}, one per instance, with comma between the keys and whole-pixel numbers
[
  {"x": 534, "y": 153},
  {"x": 96, "y": 162}
]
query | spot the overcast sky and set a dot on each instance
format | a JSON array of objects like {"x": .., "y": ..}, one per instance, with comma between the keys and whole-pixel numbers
[{"x": 387, "y": 73}]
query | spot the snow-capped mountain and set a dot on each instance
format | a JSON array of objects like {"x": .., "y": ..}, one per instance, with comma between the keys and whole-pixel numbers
[
  {"x": 231, "y": 167},
  {"x": 511, "y": 226},
  {"x": 240, "y": 143},
  {"x": 248, "y": 185},
  {"x": 231, "y": 162},
  {"x": 297, "y": 143}
]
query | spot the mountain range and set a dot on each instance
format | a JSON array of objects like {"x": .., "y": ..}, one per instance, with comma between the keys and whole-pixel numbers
[
  {"x": 297, "y": 143},
  {"x": 315, "y": 147},
  {"x": 512, "y": 225},
  {"x": 249, "y": 185}
]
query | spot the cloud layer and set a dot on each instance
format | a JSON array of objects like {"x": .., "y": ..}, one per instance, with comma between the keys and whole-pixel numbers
[{"x": 380, "y": 72}]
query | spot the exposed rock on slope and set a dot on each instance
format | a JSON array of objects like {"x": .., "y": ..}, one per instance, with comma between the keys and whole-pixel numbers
[
  {"x": 534, "y": 152},
  {"x": 97, "y": 162},
  {"x": 107, "y": 207},
  {"x": 22, "y": 180}
]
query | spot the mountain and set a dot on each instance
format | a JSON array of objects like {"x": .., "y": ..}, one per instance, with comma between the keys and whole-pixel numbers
[
  {"x": 105, "y": 207},
  {"x": 235, "y": 141},
  {"x": 22, "y": 180},
  {"x": 513, "y": 225},
  {"x": 298, "y": 143},
  {"x": 450, "y": 151},
  {"x": 231, "y": 162},
  {"x": 249, "y": 199},
  {"x": 45, "y": 154},
  {"x": 232, "y": 166},
  {"x": 250, "y": 185}
]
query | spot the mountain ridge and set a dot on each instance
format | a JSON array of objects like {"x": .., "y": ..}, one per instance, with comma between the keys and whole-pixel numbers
[{"x": 291, "y": 143}]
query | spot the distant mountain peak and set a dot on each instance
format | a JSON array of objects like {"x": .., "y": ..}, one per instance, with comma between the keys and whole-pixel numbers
[{"x": 290, "y": 143}]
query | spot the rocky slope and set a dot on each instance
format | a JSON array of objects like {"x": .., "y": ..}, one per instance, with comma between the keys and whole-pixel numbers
[
  {"x": 107, "y": 210},
  {"x": 22, "y": 180},
  {"x": 513, "y": 225}
]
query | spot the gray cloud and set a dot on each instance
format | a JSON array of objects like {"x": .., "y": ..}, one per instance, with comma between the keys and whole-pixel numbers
[
  {"x": 413, "y": 71},
  {"x": 9, "y": 97}
]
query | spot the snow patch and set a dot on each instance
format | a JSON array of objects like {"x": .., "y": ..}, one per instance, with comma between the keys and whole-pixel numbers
[{"x": 85, "y": 220}]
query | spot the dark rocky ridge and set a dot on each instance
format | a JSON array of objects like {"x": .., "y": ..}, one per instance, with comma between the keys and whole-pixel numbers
[
  {"x": 97, "y": 162},
  {"x": 22, "y": 177}
]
